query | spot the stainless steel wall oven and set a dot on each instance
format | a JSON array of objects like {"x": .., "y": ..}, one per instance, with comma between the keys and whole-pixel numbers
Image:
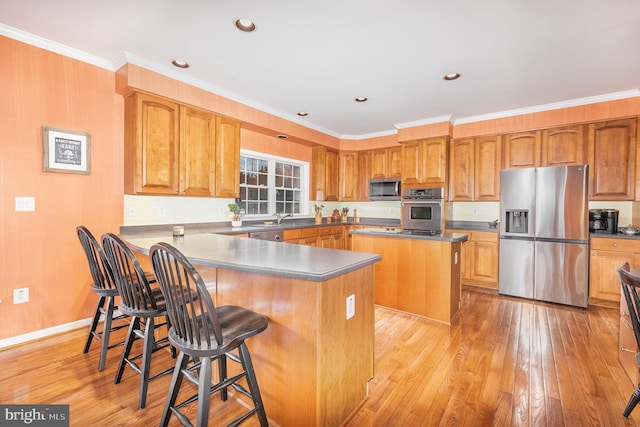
[{"x": 422, "y": 209}]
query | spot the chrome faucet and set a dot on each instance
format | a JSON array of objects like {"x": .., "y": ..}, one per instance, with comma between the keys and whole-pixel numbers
[{"x": 280, "y": 217}]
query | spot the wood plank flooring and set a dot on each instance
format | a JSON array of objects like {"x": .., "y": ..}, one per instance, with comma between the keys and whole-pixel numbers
[{"x": 505, "y": 362}]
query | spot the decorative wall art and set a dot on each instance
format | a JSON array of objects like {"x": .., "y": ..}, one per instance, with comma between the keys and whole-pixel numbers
[{"x": 66, "y": 151}]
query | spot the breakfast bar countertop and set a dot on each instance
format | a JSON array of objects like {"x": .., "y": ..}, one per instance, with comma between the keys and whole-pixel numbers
[{"x": 259, "y": 256}]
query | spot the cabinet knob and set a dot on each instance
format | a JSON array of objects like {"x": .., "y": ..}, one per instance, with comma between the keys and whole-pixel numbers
[
  {"x": 627, "y": 350},
  {"x": 615, "y": 245}
]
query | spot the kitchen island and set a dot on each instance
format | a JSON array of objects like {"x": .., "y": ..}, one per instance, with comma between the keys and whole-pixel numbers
[
  {"x": 312, "y": 363},
  {"x": 418, "y": 274}
]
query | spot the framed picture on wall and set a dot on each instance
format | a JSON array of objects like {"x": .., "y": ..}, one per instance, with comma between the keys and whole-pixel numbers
[{"x": 66, "y": 151}]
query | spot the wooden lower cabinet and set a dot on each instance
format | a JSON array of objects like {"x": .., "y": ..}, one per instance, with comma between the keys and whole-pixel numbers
[
  {"x": 418, "y": 276},
  {"x": 480, "y": 257},
  {"x": 324, "y": 237},
  {"x": 606, "y": 255}
]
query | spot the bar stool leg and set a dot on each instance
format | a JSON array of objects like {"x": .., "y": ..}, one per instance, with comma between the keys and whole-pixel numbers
[
  {"x": 94, "y": 323},
  {"x": 106, "y": 332},
  {"x": 204, "y": 391},
  {"x": 174, "y": 388},
  {"x": 247, "y": 364},
  {"x": 147, "y": 350}
]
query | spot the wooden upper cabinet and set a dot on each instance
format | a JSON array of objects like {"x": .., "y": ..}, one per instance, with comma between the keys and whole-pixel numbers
[
  {"x": 424, "y": 161},
  {"x": 324, "y": 176},
  {"x": 612, "y": 159},
  {"x": 379, "y": 163},
  {"x": 474, "y": 172},
  {"x": 227, "y": 173},
  {"x": 364, "y": 173},
  {"x": 522, "y": 150},
  {"x": 386, "y": 162},
  {"x": 197, "y": 152},
  {"x": 395, "y": 162},
  {"x": 488, "y": 158},
  {"x": 175, "y": 149},
  {"x": 348, "y": 173},
  {"x": 565, "y": 145},
  {"x": 461, "y": 170},
  {"x": 152, "y": 150}
]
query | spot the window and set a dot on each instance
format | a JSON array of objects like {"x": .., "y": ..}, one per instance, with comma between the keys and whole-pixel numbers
[{"x": 270, "y": 184}]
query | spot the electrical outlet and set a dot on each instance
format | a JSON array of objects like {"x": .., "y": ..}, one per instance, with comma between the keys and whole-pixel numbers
[
  {"x": 351, "y": 306},
  {"x": 474, "y": 211},
  {"x": 161, "y": 210},
  {"x": 20, "y": 295},
  {"x": 132, "y": 211}
]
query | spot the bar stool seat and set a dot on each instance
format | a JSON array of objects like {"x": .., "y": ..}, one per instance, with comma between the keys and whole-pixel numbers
[{"x": 203, "y": 334}]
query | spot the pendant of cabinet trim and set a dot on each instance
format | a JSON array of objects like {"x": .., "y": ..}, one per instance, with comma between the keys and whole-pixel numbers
[{"x": 175, "y": 149}]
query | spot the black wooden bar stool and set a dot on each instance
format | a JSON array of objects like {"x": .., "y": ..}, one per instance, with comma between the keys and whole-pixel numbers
[
  {"x": 143, "y": 304},
  {"x": 203, "y": 334},
  {"x": 104, "y": 286},
  {"x": 630, "y": 284}
]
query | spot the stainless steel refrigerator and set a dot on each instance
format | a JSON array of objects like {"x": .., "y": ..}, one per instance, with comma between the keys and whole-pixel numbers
[{"x": 544, "y": 234}]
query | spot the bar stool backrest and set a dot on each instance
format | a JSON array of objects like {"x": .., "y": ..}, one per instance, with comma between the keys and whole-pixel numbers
[
  {"x": 191, "y": 310},
  {"x": 131, "y": 281},
  {"x": 98, "y": 264}
]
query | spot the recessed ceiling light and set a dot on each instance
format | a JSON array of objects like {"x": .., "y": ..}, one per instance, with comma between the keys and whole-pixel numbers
[
  {"x": 303, "y": 114},
  {"x": 180, "y": 64},
  {"x": 246, "y": 25},
  {"x": 281, "y": 136},
  {"x": 361, "y": 99},
  {"x": 452, "y": 76}
]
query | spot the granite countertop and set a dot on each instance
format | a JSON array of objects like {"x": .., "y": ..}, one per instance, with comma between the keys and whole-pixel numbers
[
  {"x": 259, "y": 256},
  {"x": 250, "y": 226},
  {"x": 399, "y": 233}
]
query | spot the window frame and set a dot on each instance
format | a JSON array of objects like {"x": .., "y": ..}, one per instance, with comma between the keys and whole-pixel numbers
[{"x": 304, "y": 181}]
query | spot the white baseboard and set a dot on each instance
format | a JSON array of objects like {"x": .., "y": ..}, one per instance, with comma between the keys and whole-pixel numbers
[{"x": 8, "y": 342}]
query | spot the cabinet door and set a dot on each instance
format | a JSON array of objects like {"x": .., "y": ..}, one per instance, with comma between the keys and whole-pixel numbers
[
  {"x": 488, "y": 153},
  {"x": 227, "y": 172},
  {"x": 338, "y": 240},
  {"x": 412, "y": 162},
  {"x": 612, "y": 159},
  {"x": 435, "y": 153},
  {"x": 522, "y": 150},
  {"x": 197, "y": 152},
  {"x": 152, "y": 148},
  {"x": 603, "y": 279},
  {"x": 461, "y": 170},
  {"x": 349, "y": 175},
  {"x": 364, "y": 173},
  {"x": 565, "y": 145},
  {"x": 379, "y": 163},
  {"x": 394, "y": 155},
  {"x": 331, "y": 176},
  {"x": 484, "y": 262},
  {"x": 324, "y": 174}
]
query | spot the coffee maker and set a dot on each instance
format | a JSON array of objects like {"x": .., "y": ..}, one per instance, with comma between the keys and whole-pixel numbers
[{"x": 603, "y": 221}]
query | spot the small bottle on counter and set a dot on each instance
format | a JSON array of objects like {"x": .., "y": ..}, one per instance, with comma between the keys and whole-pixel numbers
[{"x": 355, "y": 216}]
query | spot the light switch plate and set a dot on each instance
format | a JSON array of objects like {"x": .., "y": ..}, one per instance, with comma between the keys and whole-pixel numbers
[{"x": 25, "y": 204}]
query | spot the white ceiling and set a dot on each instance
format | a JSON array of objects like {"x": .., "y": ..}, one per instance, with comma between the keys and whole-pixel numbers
[{"x": 317, "y": 56}]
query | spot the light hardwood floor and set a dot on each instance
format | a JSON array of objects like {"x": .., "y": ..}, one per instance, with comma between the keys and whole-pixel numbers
[{"x": 506, "y": 362}]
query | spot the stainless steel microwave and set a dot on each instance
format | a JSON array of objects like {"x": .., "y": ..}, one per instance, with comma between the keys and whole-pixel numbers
[{"x": 384, "y": 189}]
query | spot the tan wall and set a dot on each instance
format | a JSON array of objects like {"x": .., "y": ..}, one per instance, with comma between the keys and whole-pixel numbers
[
  {"x": 38, "y": 88},
  {"x": 40, "y": 249}
]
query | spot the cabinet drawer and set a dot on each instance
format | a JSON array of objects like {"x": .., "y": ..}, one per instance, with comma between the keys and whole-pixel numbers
[
  {"x": 309, "y": 232},
  {"x": 334, "y": 229},
  {"x": 484, "y": 236},
  {"x": 612, "y": 244}
]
